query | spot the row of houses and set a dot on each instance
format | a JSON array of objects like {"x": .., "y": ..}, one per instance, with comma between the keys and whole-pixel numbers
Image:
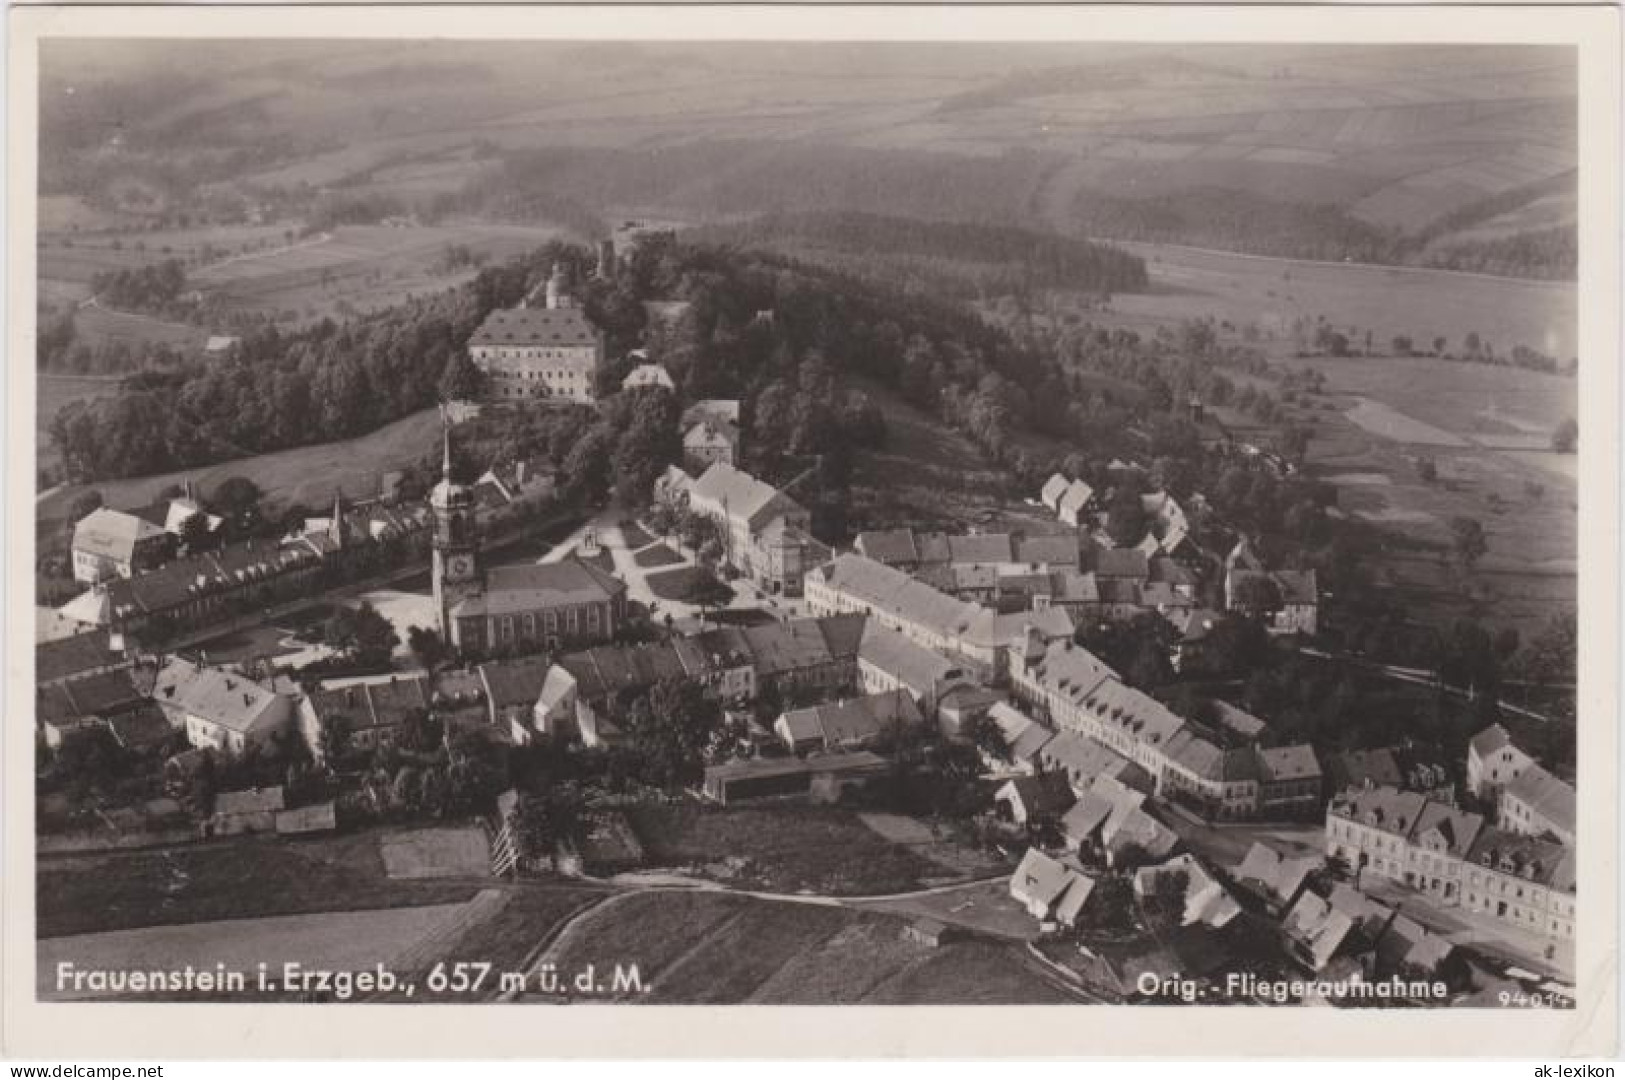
[
  {"x": 977, "y": 635},
  {"x": 199, "y": 585},
  {"x": 1077, "y": 693},
  {"x": 1074, "y": 503},
  {"x": 1456, "y": 857}
]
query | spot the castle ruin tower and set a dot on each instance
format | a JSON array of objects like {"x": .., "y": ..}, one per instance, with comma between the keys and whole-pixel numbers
[{"x": 558, "y": 289}]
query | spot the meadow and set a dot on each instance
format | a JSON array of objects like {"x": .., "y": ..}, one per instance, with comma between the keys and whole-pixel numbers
[
  {"x": 1475, "y": 425},
  {"x": 1274, "y": 294},
  {"x": 714, "y": 948},
  {"x": 358, "y": 268},
  {"x": 308, "y": 475}
]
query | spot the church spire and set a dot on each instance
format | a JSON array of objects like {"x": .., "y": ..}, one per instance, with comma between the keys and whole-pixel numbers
[
  {"x": 445, "y": 432},
  {"x": 337, "y": 528}
]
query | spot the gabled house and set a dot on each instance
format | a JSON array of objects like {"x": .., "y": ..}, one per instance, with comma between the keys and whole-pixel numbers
[
  {"x": 1207, "y": 903},
  {"x": 1050, "y": 890},
  {"x": 847, "y": 725},
  {"x": 1052, "y": 491},
  {"x": 1073, "y": 507},
  {"x": 1315, "y": 931},
  {"x": 1273, "y": 877},
  {"x": 221, "y": 709},
  {"x": 1044, "y": 797},
  {"x": 110, "y": 543}
]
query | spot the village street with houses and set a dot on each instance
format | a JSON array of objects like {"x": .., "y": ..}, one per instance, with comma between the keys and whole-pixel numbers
[{"x": 654, "y": 709}]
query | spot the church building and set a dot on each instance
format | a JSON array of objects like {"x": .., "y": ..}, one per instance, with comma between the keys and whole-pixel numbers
[
  {"x": 540, "y": 354},
  {"x": 524, "y": 607}
]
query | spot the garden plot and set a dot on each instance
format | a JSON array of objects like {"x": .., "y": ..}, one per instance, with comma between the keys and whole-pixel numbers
[{"x": 435, "y": 853}]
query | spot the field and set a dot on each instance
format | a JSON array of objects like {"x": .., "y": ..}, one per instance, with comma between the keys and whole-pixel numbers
[
  {"x": 710, "y": 948},
  {"x": 1274, "y": 294},
  {"x": 77, "y": 257},
  {"x": 358, "y": 268},
  {"x": 308, "y": 475},
  {"x": 235, "y": 879},
  {"x": 101, "y": 328},
  {"x": 435, "y": 853},
  {"x": 332, "y": 941},
  {"x": 1477, "y": 425},
  {"x": 790, "y": 849}
]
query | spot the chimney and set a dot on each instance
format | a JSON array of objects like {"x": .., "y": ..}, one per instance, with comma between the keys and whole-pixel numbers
[{"x": 248, "y": 699}]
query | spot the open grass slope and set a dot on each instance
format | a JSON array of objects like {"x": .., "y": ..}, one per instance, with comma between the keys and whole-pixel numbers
[
  {"x": 713, "y": 948},
  {"x": 234, "y": 879},
  {"x": 1494, "y": 464},
  {"x": 309, "y": 475},
  {"x": 785, "y": 849},
  {"x": 1273, "y": 294},
  {"x": 330, "y": 941}
]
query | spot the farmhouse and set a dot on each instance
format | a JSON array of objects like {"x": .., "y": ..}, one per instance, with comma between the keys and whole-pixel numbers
[{"x": 549, "y": 354}]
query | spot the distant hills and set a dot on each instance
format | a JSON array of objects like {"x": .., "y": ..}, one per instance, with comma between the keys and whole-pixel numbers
[{"x": 1458, "y": 156}]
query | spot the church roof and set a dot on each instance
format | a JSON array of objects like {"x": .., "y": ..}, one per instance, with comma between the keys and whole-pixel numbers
[{"x": 532, "y": 587}]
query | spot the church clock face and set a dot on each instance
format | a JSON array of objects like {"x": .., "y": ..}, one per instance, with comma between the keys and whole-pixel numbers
[{"x": 459, "y": 567}]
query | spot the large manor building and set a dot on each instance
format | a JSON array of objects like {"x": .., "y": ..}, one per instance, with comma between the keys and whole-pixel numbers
[{"x": 550, "y": 353}]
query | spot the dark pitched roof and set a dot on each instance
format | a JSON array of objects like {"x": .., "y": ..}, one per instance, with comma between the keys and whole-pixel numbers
[
  {"x": 1122, "y": 563},
  {"x": 536, "y": 326},
  {"x": 70, "y": 656},
  {"x": 1359, "y": 768},
  {"x": 514, "y": 682},
  {"x": 890, "y": 546},
  {"x": 535, "y": 586}
]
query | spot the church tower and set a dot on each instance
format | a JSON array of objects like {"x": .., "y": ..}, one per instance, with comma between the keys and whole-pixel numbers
[{"x": 456, "y": 550}]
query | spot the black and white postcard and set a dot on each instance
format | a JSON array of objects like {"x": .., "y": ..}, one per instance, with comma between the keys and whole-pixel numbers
[{"x": 617, "y": 511}]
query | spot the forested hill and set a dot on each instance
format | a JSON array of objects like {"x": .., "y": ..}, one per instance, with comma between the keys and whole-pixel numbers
[{"x": 1035, "y": 259}]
